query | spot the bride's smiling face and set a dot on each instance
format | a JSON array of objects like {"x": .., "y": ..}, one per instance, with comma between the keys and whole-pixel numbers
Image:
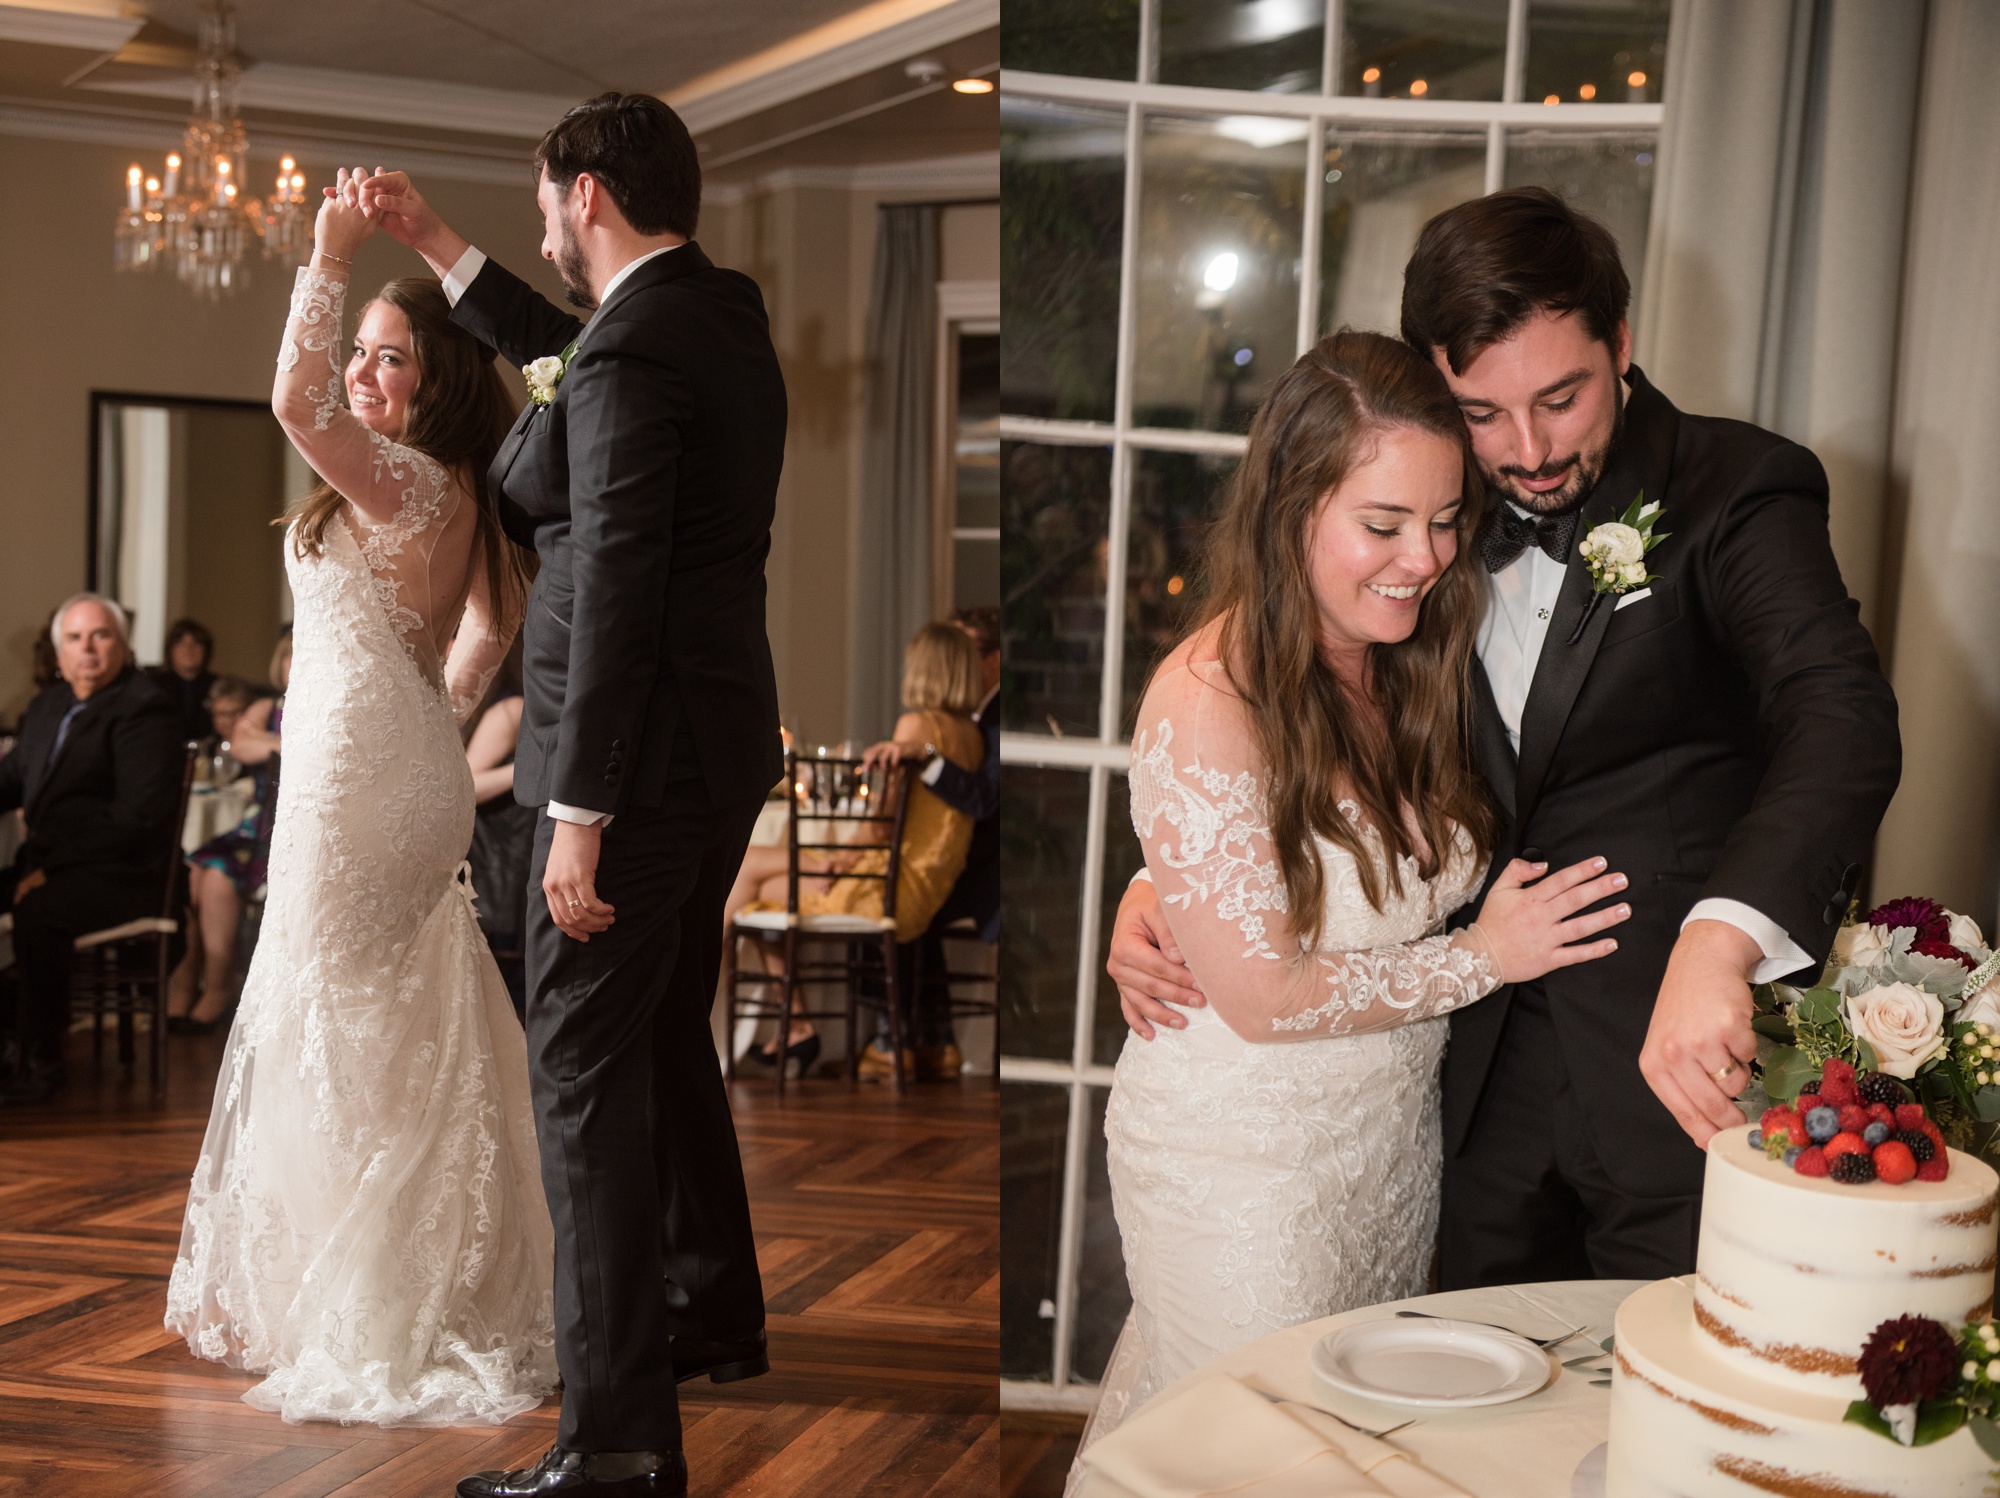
[
  {"x": 1382, "y": 539},
  {"x": 381, "y": 370}
]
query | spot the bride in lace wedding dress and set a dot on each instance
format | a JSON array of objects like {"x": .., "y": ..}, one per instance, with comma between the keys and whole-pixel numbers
[
  {"x": 1302, "y": 787},
  {"x": 366, "y": 1225}
]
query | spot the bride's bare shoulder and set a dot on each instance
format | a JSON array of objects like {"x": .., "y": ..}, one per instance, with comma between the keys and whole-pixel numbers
[{"x": 1192, "y": 680}]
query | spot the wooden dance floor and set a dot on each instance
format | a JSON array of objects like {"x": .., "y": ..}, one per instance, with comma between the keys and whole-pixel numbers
[{"x": 878, "y": 1235}]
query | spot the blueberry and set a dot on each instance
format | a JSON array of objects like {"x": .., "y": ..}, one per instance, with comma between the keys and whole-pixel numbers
[
  {"x": 1792, "y": 1155},
  {"x": 1756, "y": 1139},
  {"x": 1822, "y": 1124},
  {"x": 1875, "y": 1133}
]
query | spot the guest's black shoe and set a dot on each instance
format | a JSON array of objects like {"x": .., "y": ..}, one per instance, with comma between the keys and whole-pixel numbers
[
  {"x": 576, "y": 1474},
  {"x": 723, "y": 1362},
  {"x": 804, "y": 1051}
]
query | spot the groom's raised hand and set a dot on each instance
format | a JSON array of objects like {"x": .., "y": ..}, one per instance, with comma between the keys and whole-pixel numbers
[
  {"x": 393, "y": 202},
  {"x": 1699, "y": 1046}
]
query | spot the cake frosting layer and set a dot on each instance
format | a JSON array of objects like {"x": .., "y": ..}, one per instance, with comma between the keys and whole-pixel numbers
[
  {"x": 1794, "y": 1272},
  {"x": 1688, "y": 1422}
]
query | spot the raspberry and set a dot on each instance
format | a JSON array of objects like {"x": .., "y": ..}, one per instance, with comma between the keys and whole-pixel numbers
[
  {"x": 1822, "y": 1124},
  {"x": 1857, "y": 1169},
  {"x": 1854, "y": 1118},
  {"x": 1934, "y": 1170},
  {"x": 1910, "y": 1115},
  {"x": 1811, "y": 1162},
  {"x": 1839, "y": 1094},
  {"x": 1880, "y": 1087},
  {"x": 1918, "y": 1143},
  {"x": 1835, "y": 1070},
  {"x": 1844, "y": 1143},
  {"x": 1807, "y": 1101},
  {"x": 1882, "y": 1113},
  {"x": 1894, "y": 1163}
]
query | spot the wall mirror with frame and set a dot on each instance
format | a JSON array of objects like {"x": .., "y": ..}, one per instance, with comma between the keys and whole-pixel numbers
[{"x": 182, "y": 495}]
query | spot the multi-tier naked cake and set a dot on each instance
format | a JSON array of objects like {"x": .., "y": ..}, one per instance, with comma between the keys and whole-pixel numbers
[{"x": 1738, "y": 1380}]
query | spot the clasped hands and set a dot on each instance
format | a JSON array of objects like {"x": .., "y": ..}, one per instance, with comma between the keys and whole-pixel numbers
[{"x": 1698, "y": 1045}]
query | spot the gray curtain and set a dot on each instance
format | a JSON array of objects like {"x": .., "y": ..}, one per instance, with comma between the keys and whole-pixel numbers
[
  {"x": 1824, "y": 260},
  {"x": 892, "y": 570}
]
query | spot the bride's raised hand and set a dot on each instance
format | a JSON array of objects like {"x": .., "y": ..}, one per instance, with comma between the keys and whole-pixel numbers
[
  {"x": 341, "y": 226},
  {"x": 1534, "y": 922}
]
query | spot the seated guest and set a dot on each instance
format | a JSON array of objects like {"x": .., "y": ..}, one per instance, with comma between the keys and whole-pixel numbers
[
  {"x": 97, "y": 773},
  {"x": 185, "y": 678},
  {"x": 941, "y": 686},
  {"x": 226, "y": 872},
  {"x": 503, "y": 830}
]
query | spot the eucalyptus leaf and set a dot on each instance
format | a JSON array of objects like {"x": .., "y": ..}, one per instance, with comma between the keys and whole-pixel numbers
[
  {"x": 1787, "y": 1071},
  {"x": 1987, "y": 1434},
  {"x": 1986, "y": 1104},
  {"x": 1589, "y": 1357},
  {"x": 1868, "y": 1061},
  {"x": 1600, "y": 1383},
  {"x": 1775, "y": 1026},
  {"x": 1606, "y": 1343},
  {"x": 1818, "y": 1006}
]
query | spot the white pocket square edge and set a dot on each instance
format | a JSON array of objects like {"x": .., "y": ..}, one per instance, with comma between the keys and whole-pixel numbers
[{"x": 1631, "y": 598}]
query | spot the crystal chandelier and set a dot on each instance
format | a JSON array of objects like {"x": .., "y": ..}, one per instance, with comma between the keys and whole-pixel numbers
[{"x": 198, "y": 216}]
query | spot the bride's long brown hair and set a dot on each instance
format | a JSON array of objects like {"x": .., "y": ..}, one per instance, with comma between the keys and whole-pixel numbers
[
  {"x": 1318, "y": 743},
  {"x": 458, "y": 415}
]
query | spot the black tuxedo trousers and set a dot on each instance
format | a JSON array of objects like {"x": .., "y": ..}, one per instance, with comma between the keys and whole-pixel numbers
[{"x": 639, "y": 1160}]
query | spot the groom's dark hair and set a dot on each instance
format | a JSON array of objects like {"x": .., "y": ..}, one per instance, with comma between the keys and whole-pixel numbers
[
  {"x": 639, "y": 152},
  {"x": 1483, "y": 268}
]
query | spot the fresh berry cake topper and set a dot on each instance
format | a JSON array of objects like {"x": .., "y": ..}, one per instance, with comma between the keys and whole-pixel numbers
[{"x": 1855, "y": 1128}]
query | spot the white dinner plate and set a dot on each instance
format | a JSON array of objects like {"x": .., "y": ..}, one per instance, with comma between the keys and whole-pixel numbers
[{"x": 1434, "y": 1364}]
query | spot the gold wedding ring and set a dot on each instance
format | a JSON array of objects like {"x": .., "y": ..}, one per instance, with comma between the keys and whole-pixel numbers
[{"x": 1723, "y": 1075}]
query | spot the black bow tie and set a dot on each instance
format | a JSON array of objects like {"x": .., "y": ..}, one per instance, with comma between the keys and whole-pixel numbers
[{"x": 1506, "y": 534}]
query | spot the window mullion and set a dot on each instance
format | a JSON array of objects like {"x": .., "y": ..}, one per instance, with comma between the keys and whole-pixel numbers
[
  {"x": 1149, "y": 41},
  {"x": 1329, "y": 54},
  {"x": 1315, "y": 204}
]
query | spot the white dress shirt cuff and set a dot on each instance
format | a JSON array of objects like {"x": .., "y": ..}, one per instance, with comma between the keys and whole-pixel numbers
[
  {"x": 933, "y": 770},
  {"x": 1144, "y": 873},
  {"x": 1782, "y": 955},
  {"x": 455, "y": 281},
  {"x": 578, "y": 815}
]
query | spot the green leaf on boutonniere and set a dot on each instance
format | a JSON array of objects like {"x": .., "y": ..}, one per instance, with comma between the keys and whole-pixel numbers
[{"x": 1936, "y": 1419}]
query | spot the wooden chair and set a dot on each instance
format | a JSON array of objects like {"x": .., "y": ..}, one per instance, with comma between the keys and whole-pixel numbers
[
  {"x": 986, "y": 977},
  {"x": 828, "y": 795},
  {"x": 122, "y": 970}
]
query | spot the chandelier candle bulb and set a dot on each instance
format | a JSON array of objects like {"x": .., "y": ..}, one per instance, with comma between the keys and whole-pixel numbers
[
  {"x": 173, "y": 184},
  {"x": 133, "y": 178}
]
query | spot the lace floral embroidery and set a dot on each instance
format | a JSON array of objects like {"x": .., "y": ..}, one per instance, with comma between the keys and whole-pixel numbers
[{"x": 318, "y": 301}]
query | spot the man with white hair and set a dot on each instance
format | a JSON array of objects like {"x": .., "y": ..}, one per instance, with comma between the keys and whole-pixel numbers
[{"x": 96, "y": 772}]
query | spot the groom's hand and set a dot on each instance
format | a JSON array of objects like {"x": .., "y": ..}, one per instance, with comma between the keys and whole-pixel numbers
[
  {"x": 393, "y": 202},
  {"x": 569, "y": 883},
  {"x": 1145, "y": 962},
  {"x": 1699, "y": 1048}
]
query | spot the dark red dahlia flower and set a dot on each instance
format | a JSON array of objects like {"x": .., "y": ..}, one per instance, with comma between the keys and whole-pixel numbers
[
  {"x": 1907, "y": 1360},
  {"x": 1929, "y": 917},
  {"x": 1942, "y": 949}
]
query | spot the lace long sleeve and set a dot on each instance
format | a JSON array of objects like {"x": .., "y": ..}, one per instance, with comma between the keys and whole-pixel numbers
[
  {"x": 476, "y": 650},
  {"x": 1202, "y": 821}
]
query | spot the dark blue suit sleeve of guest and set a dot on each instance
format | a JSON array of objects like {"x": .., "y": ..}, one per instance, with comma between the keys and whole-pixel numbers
[{"x": 976, "y": 793}]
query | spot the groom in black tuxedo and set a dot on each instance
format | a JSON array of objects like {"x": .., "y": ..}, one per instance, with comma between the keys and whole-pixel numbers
[
  {"x": 646, "y": 481},
  {"x": 1722, "y": 735}
]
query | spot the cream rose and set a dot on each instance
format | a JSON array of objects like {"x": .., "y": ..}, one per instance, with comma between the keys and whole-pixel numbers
[
  {"x": 1983, "y": 1006},
  {"x": 1616, "y": 543},
  {"x": 1861, "y": 945},
  {"x": 546, "y": 370},
  {"x": 1902, "y": 1022},
  {"x": 1968, "y": 938}
]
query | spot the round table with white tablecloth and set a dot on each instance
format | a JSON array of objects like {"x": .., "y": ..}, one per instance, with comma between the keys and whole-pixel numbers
[
  {"x": 1530, "y": 1448},
  {"x": 214, "y": 810}
]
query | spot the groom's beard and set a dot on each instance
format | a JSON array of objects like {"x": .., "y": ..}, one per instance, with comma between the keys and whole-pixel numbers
[
  {"x": 570, "y": 265},
  {"x": 1585, "y": 469}
]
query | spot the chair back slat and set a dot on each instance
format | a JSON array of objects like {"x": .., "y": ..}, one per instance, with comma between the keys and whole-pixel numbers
[{"x": 845, "y": 791}]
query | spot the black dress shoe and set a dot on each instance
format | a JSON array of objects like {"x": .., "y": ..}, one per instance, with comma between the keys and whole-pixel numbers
[
  {"x": 723, "y": 1362},
  {"x": 577, "y": 1474}
]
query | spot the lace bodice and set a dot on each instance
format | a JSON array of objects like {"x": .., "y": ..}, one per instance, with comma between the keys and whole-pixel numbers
[
  {"x": 1200, "y": 813},
  {"x": 413, "y": 520}
]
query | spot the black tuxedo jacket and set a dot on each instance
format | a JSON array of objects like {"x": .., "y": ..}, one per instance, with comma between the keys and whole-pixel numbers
[
  {"x": 648, "y": 487},
  {"x": 110, "y": 798},
  {"x": 1729, "y": 735}
]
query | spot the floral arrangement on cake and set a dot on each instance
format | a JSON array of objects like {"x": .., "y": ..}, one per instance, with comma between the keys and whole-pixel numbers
[
  {"x": 1923, "y": 1382},
  {"x": 1909, "y": 996}
]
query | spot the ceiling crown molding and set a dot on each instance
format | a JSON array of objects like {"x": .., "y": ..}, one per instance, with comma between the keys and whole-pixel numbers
[
  {"x": 976, "y": 173},
  {"x": 377, "y": 97},
  {"x": 91, "y": 25},
  {"x": 859, "y": 42}
]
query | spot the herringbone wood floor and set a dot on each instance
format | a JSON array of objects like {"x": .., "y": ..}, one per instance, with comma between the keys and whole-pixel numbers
[{"x": 878, "y": 1230}]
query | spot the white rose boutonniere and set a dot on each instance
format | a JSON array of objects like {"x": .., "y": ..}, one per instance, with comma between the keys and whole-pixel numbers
[
  {"x": 1903, "y": 1023},
  {"x": 545, "y": 374},
  {"x": 1616, "y": 551}
]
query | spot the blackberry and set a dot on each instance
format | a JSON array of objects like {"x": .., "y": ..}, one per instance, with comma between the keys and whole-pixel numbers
[
  {"x": 1854, "y": 1169},
  {"x": 1918, "y": 1143},
  {"x": 1880, "y": 1087}
]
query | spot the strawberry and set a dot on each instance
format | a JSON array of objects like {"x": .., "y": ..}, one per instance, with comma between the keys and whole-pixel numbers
[
  {"x": 1843, "y": 1143},
  {"x": 1783, "y": 1130},
  {"x": 1934, "y": 1169},
  {"x": 1854, "y": 1118},
  {"x": 1811, "y": 1161},
  {"x": 1894, "y": 1163},
  {"x": 1910, "y": 1116}
]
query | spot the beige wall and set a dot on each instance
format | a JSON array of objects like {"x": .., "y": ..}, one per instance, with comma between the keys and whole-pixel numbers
[
  {"x": 234, "y": 578},
  {"x": 73, "y": 326}
]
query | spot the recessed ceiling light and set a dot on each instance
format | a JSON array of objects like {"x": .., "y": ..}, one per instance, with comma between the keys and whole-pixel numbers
[{"x": 973, "y": 85}]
